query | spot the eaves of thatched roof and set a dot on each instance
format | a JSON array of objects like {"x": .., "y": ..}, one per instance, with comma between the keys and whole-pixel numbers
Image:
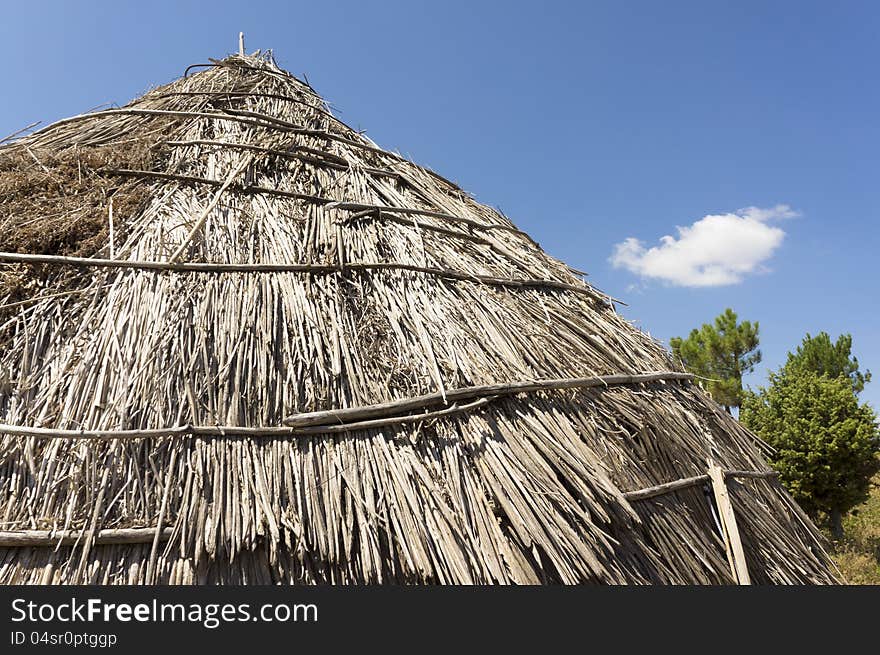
[{"x": 241, "y": 343}]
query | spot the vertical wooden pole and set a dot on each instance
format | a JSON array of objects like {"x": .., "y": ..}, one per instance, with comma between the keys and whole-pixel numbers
[
  {"x": 110, "y": 218},
  {"x": 241, "y": 43},
  {"x": 732, "y": 542}
]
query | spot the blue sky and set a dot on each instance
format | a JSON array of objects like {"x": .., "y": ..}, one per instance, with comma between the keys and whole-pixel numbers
[{"x": 586, "y": 123}]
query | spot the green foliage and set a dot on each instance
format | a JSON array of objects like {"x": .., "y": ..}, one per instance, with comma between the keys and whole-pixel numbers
[
  {"x": 825, "y": 440},
  {"x": 723, "y": 351},
  {"x": 820, "y": 355}
]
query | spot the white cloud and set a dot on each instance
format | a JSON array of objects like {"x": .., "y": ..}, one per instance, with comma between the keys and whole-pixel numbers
[{"x": 717, "y": 250}]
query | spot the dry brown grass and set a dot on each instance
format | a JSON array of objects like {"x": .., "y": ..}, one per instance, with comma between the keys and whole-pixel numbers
[
  {"x": 56, "y": 202},
  {"x": 858, "y": 556}
]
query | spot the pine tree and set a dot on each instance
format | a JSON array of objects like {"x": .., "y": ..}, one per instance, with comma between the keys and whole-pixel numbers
[{"x": 721, "y": 352}]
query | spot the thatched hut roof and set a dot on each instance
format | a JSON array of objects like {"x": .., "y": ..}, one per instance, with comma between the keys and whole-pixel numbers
[{"x": 240, "y": 343}]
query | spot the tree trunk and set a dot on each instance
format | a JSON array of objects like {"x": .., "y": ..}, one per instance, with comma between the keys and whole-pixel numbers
[{"x": 837, "y": 524}]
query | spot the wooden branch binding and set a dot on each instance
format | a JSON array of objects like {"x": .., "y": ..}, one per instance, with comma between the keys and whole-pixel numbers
[
  {"x": 665, "y": 488},
  {"x": 26, "y": 538},
  {"x": 684, "y": 483},
  {"x": 315, "y": 157},
  {"x": 396, "y": 407},
  {"x": 291, "y": 150},
  {"x": 194, "y": 179},
  {"x": 362, "y": 211},
  {"x": 318, "y": 200},
  {"x": 419, "y": 225},
  {"x": 321, "y": 110},
  {"x": 115, "y": 536},
  {"x": 148, "y": 433},
  {"x": 357, "y": 418},
  {"x": 248, "y": 118},
  {"x": 315, "y": 269},
  {"x": 394, "y": 420},
  {"x": 253, "y": 94}
]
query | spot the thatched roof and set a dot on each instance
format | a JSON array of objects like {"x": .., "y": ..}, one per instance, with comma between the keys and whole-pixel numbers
[{"x": 241, "y": 343}]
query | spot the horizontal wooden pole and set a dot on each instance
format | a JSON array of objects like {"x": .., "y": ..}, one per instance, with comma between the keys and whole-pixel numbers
[
  {"x": 364, "y": 216},
  {"x": 684, "y": 483},
  {"x": 326, "y": 113},
  {"x": 191, "y": 267},
  {"x": 395, "y": 407},
  {"x": 318, "y": 200},
  {"x": 312, "y": 156},
  {"x": 284, "y": 74},
  {"x": 195, "y": 179},
  {"x": 395, "y": 420},
  {"x": 315, "y": 269},
  {"x": 665, "y": 488},
  {"x": 148, "y": 433},
  {"x": 247, "y": 118},
  {"x": 25, "y": 538},
  {"x": 355, "y": 418},
  {"x": 253, "y": 94}
]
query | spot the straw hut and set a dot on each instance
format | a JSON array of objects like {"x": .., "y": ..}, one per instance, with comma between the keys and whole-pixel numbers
[{"x": 240, "y": 343}]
